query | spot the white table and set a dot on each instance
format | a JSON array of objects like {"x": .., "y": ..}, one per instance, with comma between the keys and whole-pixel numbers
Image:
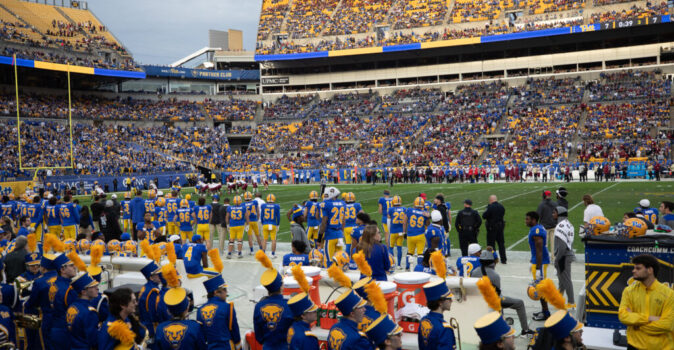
[{"x": 600, "y": 338}]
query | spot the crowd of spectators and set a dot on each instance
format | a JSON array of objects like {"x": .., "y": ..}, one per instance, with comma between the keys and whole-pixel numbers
[
  {"x": 271, "y": 17},
  {"x": 358, "y": 16},
  {"x": 346, "y": 105},
  {"x": 635, "y": 11},
  {"x": 418, "y": 13},
  {"x": 630, "y": 85},
  {"x": 463, "y": 11},
  {"x": 289, "y": 107},
  {"x": 65, "y": 43},
  {"x": 308, "y": 18},
  {"x": 549, "y": 91},
  {"x": 538, "y": 135},
  {"x": 47, "y": 144},
  {"x": 231, "y": 109},
  {"x": 419, "y": 127},
  {"x": 99, "y": 108},
  {"x": 412, "y": 101},
  {"x": 626, "y": 120}
]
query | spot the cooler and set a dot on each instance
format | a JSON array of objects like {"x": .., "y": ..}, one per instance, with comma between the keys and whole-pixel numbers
[
  {"x": 314, "y": 273},
  {"x": 410, "y": 286},
  {"x": 291, "y": 287},
  {"x": 389, "y": 290}
]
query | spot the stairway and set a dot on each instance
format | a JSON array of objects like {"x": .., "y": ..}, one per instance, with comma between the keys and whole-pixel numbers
[
  {"x": 573, "y": 154},
  {"x": 450, "y": 7},
  {"x": 332, "y": 15},
  {"x": 63, "y": 13},
  {"x": 284, "y": 24},
  {"x": 259, "y": 114}
]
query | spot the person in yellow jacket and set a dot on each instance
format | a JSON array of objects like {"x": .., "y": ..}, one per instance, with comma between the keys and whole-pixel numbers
[{"x": 647, "y": 308}]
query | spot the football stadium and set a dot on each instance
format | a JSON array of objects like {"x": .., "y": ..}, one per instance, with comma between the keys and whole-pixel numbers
[{"x": 363, "y": 174}]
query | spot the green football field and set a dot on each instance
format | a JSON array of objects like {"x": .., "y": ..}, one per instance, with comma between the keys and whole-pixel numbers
[{"x": 615, "y": 198}]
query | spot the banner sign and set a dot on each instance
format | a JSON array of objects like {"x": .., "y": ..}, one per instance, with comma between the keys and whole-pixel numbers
[
  {"x": 84, "y": 184},
  {"x": 275, "y": 81},
  {"x": 203, "y": 74},
  {"x": 608, "y": 270}
]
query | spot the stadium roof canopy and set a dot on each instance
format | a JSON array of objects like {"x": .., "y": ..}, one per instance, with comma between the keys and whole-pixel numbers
[{"x": 206, "y": 50}]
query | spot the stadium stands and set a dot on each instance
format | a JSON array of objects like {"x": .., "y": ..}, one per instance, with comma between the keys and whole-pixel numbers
[
  {"x": 346, "y": 105},
  {"x": 232, "y": 109},
  {"x": 99, "y": 108},
  {"x": 630, "y": 85},
  {"x": 354, "y": 21},
  {"x": 271, "y": 17},
  {"x": 359, "y": 16},
  {"x": 482, "y": 123},
  {"x": 59, "y": 34},
  {"x": 289, "y": 108},
  {"x": 418, "y": 13},
  {"x": 308, "y": 18}
]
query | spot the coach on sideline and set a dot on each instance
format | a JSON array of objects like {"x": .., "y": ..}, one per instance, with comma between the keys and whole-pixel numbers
[{"x": 647, "y": 307}]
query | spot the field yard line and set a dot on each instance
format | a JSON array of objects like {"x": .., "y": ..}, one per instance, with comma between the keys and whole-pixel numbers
[
  {"x": 594, "y": 194},
  {"x": 505, "y": 199},
  {"x": 572, "y": 208}
]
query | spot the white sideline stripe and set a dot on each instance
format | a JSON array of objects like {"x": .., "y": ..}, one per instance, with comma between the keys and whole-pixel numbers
[{"x": 572, "y": 208}]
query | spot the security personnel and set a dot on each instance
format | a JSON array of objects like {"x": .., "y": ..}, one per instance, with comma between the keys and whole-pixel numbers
[
  {"x": 467, "y": 222},
  {"x": 252, "y": 225},
  {"x": 39, "y": 298},
  {"x": 61, "y": 297},
  {"x": 305, "y": 312},
  {"x": 494, "y": 332},
  {"x": 434, "y": 332},
  {"x": 332, "y": 226},
  {"x": 148, "y": 297},
  {"x": 396, "y": 223},
  {"x": 270, "y": 213},
  {"x": 344, "y": 334},
  {"x": 495, "y": 225},
  {"x": 415, "y": 228},
  {"x": 352, "y": 210},
  {"x": 218, "y": 317},
  {"x": 179, "y": 332},
  {"x": 81, "y": 317},
  {"x": 272, "y": 317},
  {"x": 236, "y": 219},
  {"x": 313, "y": 214},
  {"x": 385, "y": 334}
]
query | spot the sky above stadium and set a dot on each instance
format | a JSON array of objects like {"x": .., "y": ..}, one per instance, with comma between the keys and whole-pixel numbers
[{"x": 163, "y": 31}]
